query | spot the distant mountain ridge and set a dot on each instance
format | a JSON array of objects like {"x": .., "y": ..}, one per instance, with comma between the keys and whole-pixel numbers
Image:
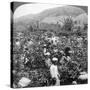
[
  {"x": 72, "y": 11},
  {"x": 59, "y": 11}
]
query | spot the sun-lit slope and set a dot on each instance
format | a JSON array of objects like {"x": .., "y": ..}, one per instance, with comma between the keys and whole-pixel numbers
[
  {"x": 59, "y": 11},
  {"x": 82, "y": 18},
  {"x": 85, "y": 8}
]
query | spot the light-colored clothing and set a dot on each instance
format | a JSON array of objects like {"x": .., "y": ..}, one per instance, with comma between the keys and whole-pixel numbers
[{"x": 54, "y": 73}]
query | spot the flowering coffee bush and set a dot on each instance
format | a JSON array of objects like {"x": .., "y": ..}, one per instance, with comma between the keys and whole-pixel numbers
[{"x": 32, "y": 49}]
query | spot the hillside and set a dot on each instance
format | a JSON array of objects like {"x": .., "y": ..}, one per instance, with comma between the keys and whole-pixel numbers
[{"x": 48, "y": 16}]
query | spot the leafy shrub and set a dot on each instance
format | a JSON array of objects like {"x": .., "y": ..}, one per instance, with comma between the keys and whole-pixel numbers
[{"x": 68, "y": 24}]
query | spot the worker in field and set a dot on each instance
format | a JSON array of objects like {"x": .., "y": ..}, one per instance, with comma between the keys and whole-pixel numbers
[
  {"x": 67, "y": 54},
  {"x": 54, "y": 72}
]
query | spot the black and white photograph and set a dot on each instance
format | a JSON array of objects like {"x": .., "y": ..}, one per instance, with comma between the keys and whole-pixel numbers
[{"x": 49, "y": 44}]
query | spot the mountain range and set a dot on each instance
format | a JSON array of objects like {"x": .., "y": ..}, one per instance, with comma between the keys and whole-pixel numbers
[{"x": 49, "y": 16}]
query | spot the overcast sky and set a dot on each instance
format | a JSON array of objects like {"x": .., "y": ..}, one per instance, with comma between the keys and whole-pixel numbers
[{"x": 32, "y": 9}]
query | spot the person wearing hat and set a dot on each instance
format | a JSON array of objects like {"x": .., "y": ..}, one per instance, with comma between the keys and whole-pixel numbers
[{"x": 54, "y": 71}]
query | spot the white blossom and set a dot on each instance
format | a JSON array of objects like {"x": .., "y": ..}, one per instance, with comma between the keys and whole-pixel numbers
[
  {"x": 24, "y": 82},
  {"x": 83, "y": 76},
  {"x": 54, "y": 59}
]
